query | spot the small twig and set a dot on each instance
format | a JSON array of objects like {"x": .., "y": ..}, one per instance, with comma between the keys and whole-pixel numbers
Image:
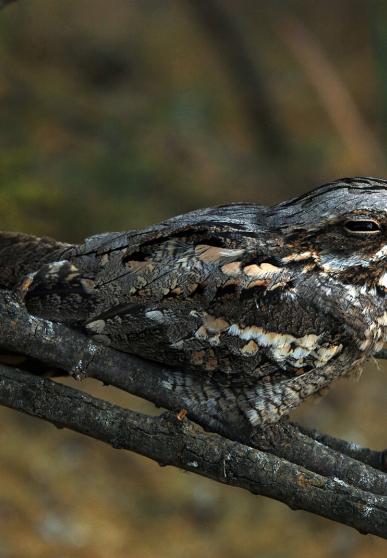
[
  {"x": 318, "y": 454},
  {"x": 375, "y": 459}
]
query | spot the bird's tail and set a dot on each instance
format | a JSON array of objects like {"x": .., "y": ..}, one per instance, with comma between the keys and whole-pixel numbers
[{"x": 21, "y": 254}]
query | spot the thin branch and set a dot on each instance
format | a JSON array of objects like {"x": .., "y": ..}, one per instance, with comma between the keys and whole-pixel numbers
[
  {"x": 185, "y": 445},
  {"x": 318, "y": 454},
  {"x": 376, "y": 459}
]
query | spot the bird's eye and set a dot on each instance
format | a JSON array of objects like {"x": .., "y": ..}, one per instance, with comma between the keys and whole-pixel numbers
[{"x": 362, "y": 226}]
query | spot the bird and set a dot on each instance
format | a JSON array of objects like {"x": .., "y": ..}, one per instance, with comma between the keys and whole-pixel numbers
[{"x": 261, "y": 306}]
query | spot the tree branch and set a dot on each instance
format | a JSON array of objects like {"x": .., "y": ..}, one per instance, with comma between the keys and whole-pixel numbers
[
  {"x": 169, "y": 441},
  {"x": 375, "y": 459},
  {"x": 315, "y": 455}
]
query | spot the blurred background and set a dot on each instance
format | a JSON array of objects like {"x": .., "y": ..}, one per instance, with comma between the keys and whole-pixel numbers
[{"x": 114, "y": 115}]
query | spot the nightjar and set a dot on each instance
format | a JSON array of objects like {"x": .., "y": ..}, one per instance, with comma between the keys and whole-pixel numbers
[{"x": 266, "y": 305}]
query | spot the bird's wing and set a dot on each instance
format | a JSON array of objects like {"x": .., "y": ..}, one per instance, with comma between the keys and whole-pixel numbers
[
  {"x": 181, "y": 268},
  {"x": 198, "y": 292}
]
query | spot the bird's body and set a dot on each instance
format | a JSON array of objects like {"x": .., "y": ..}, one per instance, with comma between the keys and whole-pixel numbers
[{"x": 267, "y": 305}]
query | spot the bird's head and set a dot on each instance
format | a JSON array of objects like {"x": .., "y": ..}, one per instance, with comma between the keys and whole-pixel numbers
[{"x": 340, "y": 229}]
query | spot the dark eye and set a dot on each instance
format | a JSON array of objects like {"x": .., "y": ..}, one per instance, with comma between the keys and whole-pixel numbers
[{"x": 362, "y": 226}]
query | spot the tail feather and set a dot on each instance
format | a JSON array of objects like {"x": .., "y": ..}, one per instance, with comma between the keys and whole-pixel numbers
[{"x": 21, "y": 254}]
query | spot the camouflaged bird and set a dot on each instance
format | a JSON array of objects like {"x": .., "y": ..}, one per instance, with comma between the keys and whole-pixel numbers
[{"x": 267, "y": 304}]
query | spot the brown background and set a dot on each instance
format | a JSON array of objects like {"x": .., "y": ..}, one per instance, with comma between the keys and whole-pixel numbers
[{"x": 117, "y": 114}]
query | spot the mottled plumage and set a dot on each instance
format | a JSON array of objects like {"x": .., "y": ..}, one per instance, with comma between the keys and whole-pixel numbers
[{"x": 268, "y": 305}]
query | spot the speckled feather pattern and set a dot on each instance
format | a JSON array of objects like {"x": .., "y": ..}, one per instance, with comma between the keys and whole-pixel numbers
[{"x": 267, "y": 305}]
